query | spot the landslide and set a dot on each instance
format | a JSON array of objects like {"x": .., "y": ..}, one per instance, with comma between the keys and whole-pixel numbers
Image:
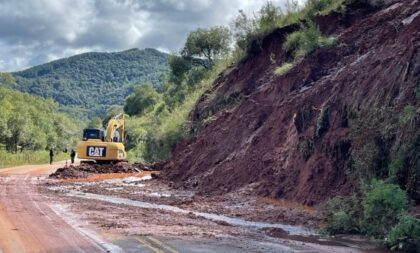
[
  {"x": 85, "y": 170},
  {"x": 307, "y": 135}
]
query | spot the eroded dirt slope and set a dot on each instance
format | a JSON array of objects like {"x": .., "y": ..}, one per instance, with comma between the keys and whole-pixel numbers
[{"x": 292, "y": 136}]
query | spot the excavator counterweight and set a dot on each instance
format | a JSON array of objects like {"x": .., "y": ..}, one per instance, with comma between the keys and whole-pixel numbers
[{"x": 104, "y": 146}]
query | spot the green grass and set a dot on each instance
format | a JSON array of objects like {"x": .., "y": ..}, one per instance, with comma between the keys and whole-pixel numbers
[
  {"x": 306, "y": 40},
  {"x": 28, "y": 157},
  {"x": 283, "y": 69},
  {"x": 155, "y": 134}
]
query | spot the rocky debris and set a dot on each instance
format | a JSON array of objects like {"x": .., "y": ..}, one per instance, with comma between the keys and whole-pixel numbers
[{"x": 84, "y": 170}]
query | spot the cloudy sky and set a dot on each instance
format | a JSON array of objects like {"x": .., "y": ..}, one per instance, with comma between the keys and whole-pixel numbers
[{"x": 38, "y": 31}]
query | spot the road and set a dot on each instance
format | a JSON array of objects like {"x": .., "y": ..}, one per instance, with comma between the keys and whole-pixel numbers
[
  {"x": 28, "y": 224},
  {"x": 32, "y": 221}
]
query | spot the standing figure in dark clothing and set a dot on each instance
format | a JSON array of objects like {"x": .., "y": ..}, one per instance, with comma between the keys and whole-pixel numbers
[
  {"x": 72, "y": 156},
  {"x": 51, "y": 156}
]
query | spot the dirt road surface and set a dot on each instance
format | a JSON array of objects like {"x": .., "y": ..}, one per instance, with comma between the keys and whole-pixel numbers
[{"x": 38, "y": 214}]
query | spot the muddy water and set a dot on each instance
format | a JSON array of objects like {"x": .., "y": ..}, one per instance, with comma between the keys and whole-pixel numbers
[
  {"x": 291, "y": 230},
  {"x": 296, "y": 233}
]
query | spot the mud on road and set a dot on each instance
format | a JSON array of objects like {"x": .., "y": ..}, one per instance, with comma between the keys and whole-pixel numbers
[
  {"x": 137, "y": 204},
  {"x": 135, "y": 212}
]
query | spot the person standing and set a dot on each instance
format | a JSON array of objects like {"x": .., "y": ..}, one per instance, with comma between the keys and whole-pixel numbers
[
  {"x": 72, "y": 156},
  {"x": 51, "y": 156}
]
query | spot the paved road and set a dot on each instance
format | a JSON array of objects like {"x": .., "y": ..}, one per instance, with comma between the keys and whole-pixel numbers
[
  {"x": 32, "y": 222},
  {"x": 28, "y": 224}
]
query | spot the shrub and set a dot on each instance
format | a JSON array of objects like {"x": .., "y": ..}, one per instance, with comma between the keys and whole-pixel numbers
[
  {"x": 417, "y": 91},
  {"x": 322, "y": 123},
  {"x": 382, "y": 205},
  {"x": 322, "y": 7},
  {"x": 405, "y": 235},
  {"x": 341, "y": 215},
  {"x": 246, "y": 29},
  {"x": 283, "y": 69},
  {"x": 306, "y": 148},
  {"x": 306, "y": 40},
  {"x": 397, "y": 163},
  {"x": 407, "y": 115}
]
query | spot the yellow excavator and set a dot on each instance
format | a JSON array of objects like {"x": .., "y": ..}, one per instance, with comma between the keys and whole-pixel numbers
[{"x": 104, "y": 146}]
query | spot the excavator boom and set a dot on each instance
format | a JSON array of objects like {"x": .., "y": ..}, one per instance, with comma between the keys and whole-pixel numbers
[{"x": 115, "y": 124}]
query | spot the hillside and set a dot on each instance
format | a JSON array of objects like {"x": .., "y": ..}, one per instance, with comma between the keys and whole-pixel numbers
[
  {"x": 88, "y": 83},
  {"x": 306, "y": 135}
]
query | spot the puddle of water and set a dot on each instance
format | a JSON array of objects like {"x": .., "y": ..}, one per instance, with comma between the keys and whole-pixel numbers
[
  {"x": 292, "y": 230},
  {"x": 127, "y": 180}
]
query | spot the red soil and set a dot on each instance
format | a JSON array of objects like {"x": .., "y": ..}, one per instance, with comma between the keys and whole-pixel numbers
[{"x": 257, "y": 142}]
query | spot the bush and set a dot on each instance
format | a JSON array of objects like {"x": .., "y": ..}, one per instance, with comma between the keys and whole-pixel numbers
[
  {"x": 341, "y": 215},
  {"x": 283, "y": 69},
  {"x": 408, "y": 114},
  {"x": 246, "y": 29},
  {"x": 322, "y": 7},
  {"x": 417, "y": 91},
  {"x": 322, "y": 122},
  {"x": 405, "y": 235},
  {"x": 306, "y": 40},
  {"x": 382, "y": 205}
]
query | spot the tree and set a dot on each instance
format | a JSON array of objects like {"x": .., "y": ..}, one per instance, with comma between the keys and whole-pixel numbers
[
  {"x": 143, "y": 98},
  {"x": 112, "y": 111},
  {"x": 7, "y": 79},
  {"x": 32, "y": 123},
  {"x": 245, "y": 29},
  {"x": 179, "y": 67},
  {"x": 95, "y": 122},
  {"x": 268, "y": 16},
  {"x": 208, "y": 43}
]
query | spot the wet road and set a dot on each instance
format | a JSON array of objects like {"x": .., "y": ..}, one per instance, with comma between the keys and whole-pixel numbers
[{"x": 31, "y": 221}]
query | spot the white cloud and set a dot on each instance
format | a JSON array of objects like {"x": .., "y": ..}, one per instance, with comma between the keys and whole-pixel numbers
[{"x": 34, "y": 32}]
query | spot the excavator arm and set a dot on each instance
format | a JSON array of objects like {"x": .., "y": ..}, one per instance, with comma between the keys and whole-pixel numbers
[{"x": 115, "y": 124}]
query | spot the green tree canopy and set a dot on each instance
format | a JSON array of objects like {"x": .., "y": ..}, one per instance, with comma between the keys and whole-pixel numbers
[
  {"x": 95, "y": 122},
  {"x": 32, "y": 123},
  {"x": 179, "y": 67},
  {"x": 112, "y": 111},
  {"x": 143, "y": 98},
  {"x": 7, "y": 79},
  {"x": 209, "y": 43}
]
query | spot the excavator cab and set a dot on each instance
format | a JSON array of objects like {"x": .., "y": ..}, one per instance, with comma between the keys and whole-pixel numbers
[
  {"x": 104, "y": 146},
  {"x": 93, "y": 134}
]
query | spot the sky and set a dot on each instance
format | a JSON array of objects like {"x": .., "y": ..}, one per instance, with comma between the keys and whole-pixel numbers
[{"x": 33, "y": 32}]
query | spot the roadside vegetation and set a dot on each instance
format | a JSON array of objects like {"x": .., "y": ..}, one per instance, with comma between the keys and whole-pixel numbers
[
  {"x": 31, "y": 125},
  {"x": 8, "y": 159}
]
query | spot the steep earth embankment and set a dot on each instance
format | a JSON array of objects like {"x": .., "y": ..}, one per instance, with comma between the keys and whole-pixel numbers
[{"x": 304, "y": 135}]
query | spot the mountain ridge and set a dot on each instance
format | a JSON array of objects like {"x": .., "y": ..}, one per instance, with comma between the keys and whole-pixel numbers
[{"x": 85, "y": 85}]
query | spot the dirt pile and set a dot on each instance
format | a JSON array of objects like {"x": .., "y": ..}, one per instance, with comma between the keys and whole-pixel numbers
[
  {"x": 84, "y": 170},
  {"x": 301, "y": 135}
]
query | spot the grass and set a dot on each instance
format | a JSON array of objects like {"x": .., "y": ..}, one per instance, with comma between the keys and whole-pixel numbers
[
  {"x": 306, "y": 40},
  {"x": 283, "y": 69},
  {"x": 28, "y": 157},
  {"x": 155, "y": 134},
  {"x": 309, "y": 10}
]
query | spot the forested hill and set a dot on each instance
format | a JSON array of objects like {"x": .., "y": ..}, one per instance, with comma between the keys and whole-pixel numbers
[{"x": 87, "y": 84}]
